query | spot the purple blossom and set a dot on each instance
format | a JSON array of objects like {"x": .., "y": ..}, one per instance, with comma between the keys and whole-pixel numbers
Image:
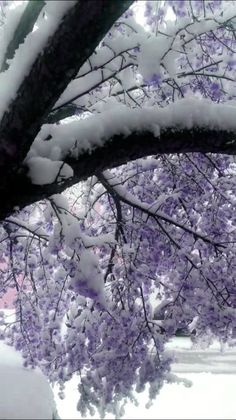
[
  {"x": 161, "y": 225},
  {"x": 155, "y": 80}
]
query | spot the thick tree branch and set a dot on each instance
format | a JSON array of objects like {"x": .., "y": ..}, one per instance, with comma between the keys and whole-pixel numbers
[
  {"x": 25, "y": 26},
  {"x": 19, "y": 192},
  {"x": 79, "y": 33}
]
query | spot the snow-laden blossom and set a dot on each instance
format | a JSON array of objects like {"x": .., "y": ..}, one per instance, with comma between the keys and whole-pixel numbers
[{"x": 103, "y": 276}]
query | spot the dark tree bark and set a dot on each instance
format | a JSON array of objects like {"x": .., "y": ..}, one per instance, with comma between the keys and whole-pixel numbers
[
  {"x": 76, "y": 38},
  {"x": 115, "y": 152},
  {"x": 25, "y": 26},
  {"x": 81, "y": 30}
]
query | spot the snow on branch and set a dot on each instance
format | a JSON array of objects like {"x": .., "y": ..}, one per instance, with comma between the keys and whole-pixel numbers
[
  {"x": 20, "y": 192},
  {"x": 22, "y": 113},
  {"x": 84, "y": 135},
  {"x": 25, "y": 47}
]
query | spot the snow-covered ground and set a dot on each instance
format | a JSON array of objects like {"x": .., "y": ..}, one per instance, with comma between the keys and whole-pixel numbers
[
  {"x": 211, "y": 396},
  {"x": 26, "y": 394}
]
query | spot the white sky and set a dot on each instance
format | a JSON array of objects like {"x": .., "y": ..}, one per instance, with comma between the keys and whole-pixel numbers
[{"x": 139, "y": 7}]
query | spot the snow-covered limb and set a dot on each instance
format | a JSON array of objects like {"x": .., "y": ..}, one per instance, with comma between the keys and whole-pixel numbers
[
  {"x": 74, "y": 138},
  {"x": 19, "y": 191},
  {"x": 24, "y": 115}
]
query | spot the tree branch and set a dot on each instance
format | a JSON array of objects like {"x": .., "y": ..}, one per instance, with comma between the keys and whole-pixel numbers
[
  {"x": 75, "y": 39},
  {"x": 25, "y": 26},
  {"x": 19, "y": 191}
]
